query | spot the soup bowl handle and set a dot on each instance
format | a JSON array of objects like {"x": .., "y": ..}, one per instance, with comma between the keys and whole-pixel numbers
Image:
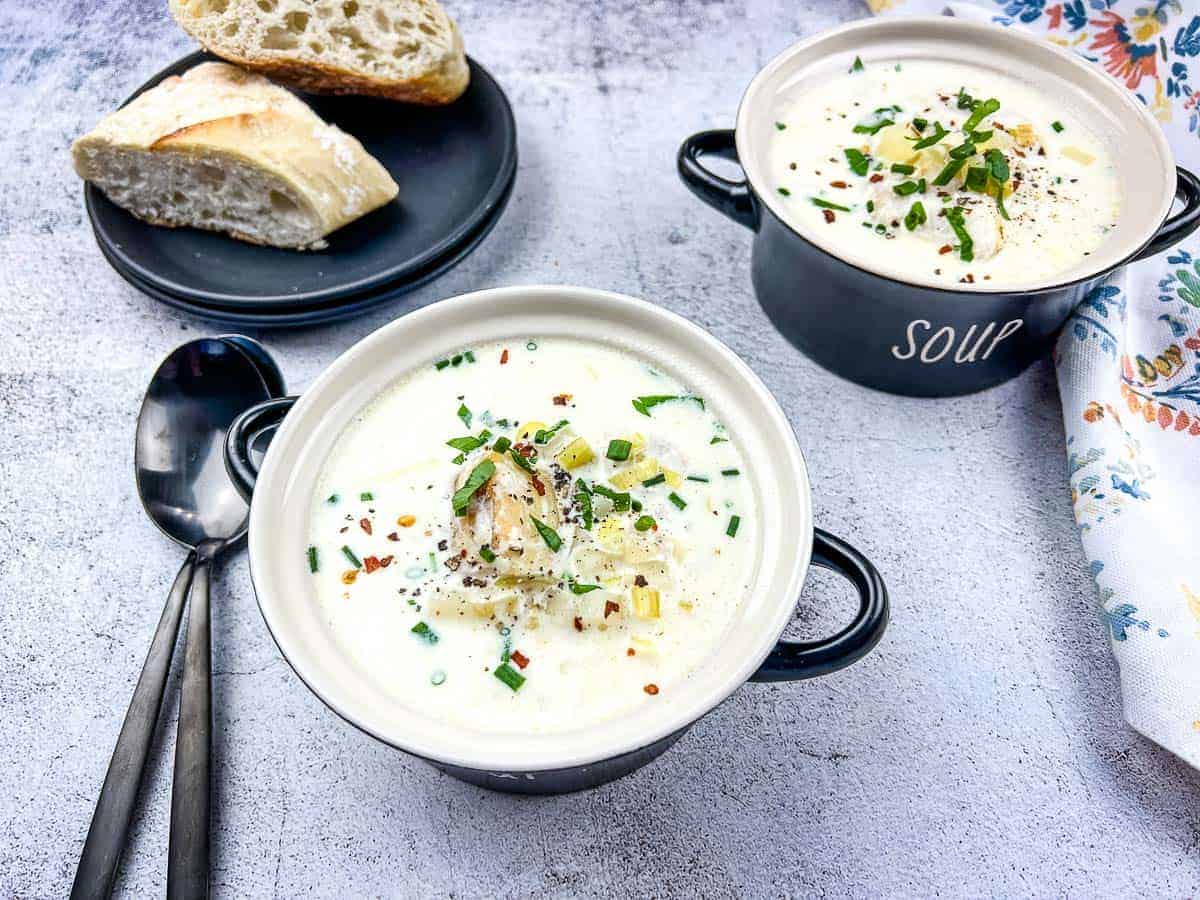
[
  {"x": 733, "y": 198},
  {"x": 245, "y": 432},
  {"x": 1184, "y": 222},
  {"x": 795, "y": 660}
]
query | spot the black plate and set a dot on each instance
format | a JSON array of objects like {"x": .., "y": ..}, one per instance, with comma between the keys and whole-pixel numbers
[
  {"x": 278, "y": 316},
  {"x": 453, "y": 165}
]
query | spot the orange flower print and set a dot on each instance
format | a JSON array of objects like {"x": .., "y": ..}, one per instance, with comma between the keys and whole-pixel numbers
[{"x": 1123, "y": 58}]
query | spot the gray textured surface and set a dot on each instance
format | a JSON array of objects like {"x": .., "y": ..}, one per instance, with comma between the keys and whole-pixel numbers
[{"x": 978, "y": 751}]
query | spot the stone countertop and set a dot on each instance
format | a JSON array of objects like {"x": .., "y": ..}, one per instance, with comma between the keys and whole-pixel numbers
[{"x": 978, "y": 751}]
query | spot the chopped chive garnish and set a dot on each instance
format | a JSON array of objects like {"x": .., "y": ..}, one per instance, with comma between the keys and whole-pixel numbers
[
  {"x": 952, "y": 169},
  {"x": 470, "y": 442},
  {"x": 734, "y": 522},
  {"x": 366, "y": 496},
  {"x": 432, "y": 563},
  {"x": 521, "y": 461},
  {"x": 635, "y": 505},
  {"x": 965, "y": 100},
  {"x": 313, "y": 563},
  {"x": 980, "y": 137},
  {"x": 644, "y": 523},
  {"x": 425, "y": 633},
  {"x": 679, "y": 502},
  {"x": 437, "y": 678},
  {"x": 648, "y": 402},
  {"x": 858, "y": 65},
  {"x": 902, "y": 169},
  {"x": 332, "y": 498},
  {"x": 1000, "y": 201},
  {"x": 441, "y": 364},
  {"x": 905, "y": 188},
  {"x": 825, "y": 204},
  {"x": 478, "y": 478},
  {"x": 780, "y": 125},
  {"x": 719, "y": 440},
  {"x": 881, "y": 228},
  {"x": 531, "y": 345},
  {"x": 966, "y": 246},
  {"x": 1057, "y": 126},
  {"x": 964, "y": 150},
  {"x": 619, "y": 450},
  {"x": 916, "y": 216},
  {"x": 470, "y": 356},
  {"x": 880, "y": 119},
  {"x": 938, "y": 133},
  {"x": 703, "y": 478},
  {"x": 870, "y": 207},
  {"x": 729, "y": 473},
  {"x": 858, "y": 161},
  {"x": 997, "y": 165},
  {"x": 456, "y": 359},
  {"x": 486, "y": 554},
  {"x": 654, "y": 479},
  {"x": 502, "y": 444},
  {"x": 544, "y": 435},
  {"x": 784, "y": 191},
  {"x": 510, "y": 676},
  {"x": 549, "y": 535},
  {"x": 920, "y": 124},
  {"x": 349, "y": 554},
  {"x": 979, "y": 112},
  {"x": 464, "y": 414},
  {"x": 580, "y": 589}
]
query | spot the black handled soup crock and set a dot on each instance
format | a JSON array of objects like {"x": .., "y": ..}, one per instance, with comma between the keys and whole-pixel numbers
[
  {"x": 899, "y": 334},
  {"x": 303, "y": 431}
]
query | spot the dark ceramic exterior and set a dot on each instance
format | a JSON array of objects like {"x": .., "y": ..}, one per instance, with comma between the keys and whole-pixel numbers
[
  {"x": 888, "y": 334},
  {"x": 789, "y": 661}
]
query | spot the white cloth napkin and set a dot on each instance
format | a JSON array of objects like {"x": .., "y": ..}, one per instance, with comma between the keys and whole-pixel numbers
[{"x": 1128, "y": 366}]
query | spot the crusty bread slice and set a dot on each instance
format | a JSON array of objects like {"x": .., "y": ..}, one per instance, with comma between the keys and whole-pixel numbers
[
  {"x": 225, "y": 150},
  {"x": 406, "y": 50}
]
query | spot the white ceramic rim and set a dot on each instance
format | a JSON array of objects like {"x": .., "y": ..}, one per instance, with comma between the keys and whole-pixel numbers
[
  {"x": 1105, "y": 96},
  {"x": 278, "y": 530}
]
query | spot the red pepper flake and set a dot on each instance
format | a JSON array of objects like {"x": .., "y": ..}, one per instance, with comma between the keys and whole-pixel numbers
[
  {"x": 640, "y": 580},
  {"x": 630, "y": 652},
  {"x": 838, "y": 184},
  {"x": 525, "y": 450},
  {"x": 944, "y": 249},
  {"x": 562, "y": 399},
  {"x": 578, "y": 624},
  {"x": 393, "y": 536},
  {"x": 610, "y": 607},
  {"x": 876, "y": 178},
  {"x": 651, "y": 689},
  {"x": 371, "y": 563},
  {"x": 365, "y": 525},
  {"x": 538, "y": 486},
  {"x": 504, "y": 357},
  {"x": 829, "y": 216},
  {"x": 519, "y": 658}
]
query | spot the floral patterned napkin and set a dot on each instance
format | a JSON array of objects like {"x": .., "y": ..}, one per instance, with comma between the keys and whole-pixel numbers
[{"x": 1128, "y": 366}]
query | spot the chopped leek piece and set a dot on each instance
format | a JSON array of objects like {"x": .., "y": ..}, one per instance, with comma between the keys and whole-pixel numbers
[
  {"x": 620, "y": 501},
  {"x": 486, "y": 554},
  {"x": 618, "y": 450},
  {"x": 679, "y": 502},
  {"x": 313, "y": 564},
  {"x": 520, "y": 460},
  {"x": 509, "y": 676},
  {"x": 425, "y": 633},
  {"x": 654, "y": 479},
  {"x": 502, "y": 444},
  {"x": 645, "y": 603},
  {"x": 734, "y": 522}
]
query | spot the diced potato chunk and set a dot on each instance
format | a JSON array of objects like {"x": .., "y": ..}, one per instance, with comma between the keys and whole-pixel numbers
[
  {"x": 575, "y": 454},
  {"x": 635, "y": 474},
  {"x": 610, "y": 534},
  {"x": 674, "y": 479},
  {"x": 892, "y": 144},
  {"x": 645, "y": 602},
  {"x": 1080, "y": 156},
  {"x": 529, "y": 429}
]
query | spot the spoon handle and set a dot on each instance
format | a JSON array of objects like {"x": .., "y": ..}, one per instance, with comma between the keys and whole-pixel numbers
[
  {"x": 188, "y": 848},
  {"x": 114, "y": 809}
]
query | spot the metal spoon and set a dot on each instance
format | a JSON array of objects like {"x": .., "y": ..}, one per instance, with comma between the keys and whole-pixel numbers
[{"x": 196, "y": 393}]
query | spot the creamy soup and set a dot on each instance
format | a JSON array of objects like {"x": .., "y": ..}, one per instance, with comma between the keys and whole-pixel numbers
[
  {"x": 533, "y": 536},
  {"x": 944, "y": 171}
]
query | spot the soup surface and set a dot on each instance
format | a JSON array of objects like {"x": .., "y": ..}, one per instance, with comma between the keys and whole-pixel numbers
[
  {"x": 944, "y": 171},
  {"x": 533, "y": 536}
]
